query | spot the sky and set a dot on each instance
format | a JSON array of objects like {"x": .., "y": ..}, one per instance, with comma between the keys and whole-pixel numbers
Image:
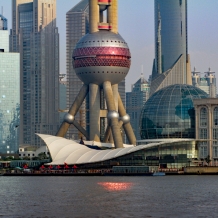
[{"x": 136, "y": 26}]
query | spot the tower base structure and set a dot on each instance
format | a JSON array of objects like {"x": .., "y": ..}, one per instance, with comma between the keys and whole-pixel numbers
[{"x": 105, "y": 107}]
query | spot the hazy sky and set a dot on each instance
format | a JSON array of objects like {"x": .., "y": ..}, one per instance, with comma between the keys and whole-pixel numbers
[{"x": 136, "y": 25}]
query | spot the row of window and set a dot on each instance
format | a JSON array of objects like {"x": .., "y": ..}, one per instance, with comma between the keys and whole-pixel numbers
[
  {"x": 204, "y": 117},
  {"x": 204, "y": 151}
]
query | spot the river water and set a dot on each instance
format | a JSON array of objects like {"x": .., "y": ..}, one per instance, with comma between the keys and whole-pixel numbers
[{"x": 169, "y": 196}]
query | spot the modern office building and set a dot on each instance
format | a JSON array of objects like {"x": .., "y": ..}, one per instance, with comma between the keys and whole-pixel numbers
[
  {"x": 207, "y": 82},
  {"x": 35, "y": 36},
  {"x": 135, "y": 101},
  {"x": 77, "y": 25},
  {"x": 9, "y": 94},
  {"x": 172, "y": 62}
]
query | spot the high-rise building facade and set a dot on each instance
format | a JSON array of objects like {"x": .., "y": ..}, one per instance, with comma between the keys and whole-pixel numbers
[
  {"x": 9, "y": 94},
  {"x": 135, "y": 101},
  {"x": 77, "y": 25},
  {"x": 207, "y": 83},
  {"x": 35, "y": 36},
  {"x": 172, "y": 63}
]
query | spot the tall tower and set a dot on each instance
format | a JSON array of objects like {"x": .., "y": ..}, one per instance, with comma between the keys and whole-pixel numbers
[
  {"x": 101, "y": 60},
  {"x": 77, "y": 25},
  {"x": 35, "y": 36},
  {"x": 172, "y": 62}
]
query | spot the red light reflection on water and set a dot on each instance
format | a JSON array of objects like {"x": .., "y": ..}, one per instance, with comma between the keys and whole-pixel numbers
[{"x": 116, "y": 186}]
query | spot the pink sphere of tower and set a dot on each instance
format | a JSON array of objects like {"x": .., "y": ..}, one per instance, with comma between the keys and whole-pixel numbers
[{"x": 101, "y": 56}]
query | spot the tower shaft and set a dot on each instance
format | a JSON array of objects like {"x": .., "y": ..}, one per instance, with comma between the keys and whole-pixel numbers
[
  {"x": 101, "y": 59},
  {"x": 100, "y": 10}
]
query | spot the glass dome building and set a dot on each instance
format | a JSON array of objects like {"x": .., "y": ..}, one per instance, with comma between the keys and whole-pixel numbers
[{"x": 169, "y": 113}]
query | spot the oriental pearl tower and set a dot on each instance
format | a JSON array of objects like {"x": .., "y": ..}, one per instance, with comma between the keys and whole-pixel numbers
[{"x": 101, "y": 60}]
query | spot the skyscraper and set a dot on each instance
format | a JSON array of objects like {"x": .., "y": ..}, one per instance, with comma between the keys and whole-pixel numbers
[
  {"x": 9, "y": 93},
  {"x": 77, "y": 25},
  {"x": 172, "y": 63},
  {"x": 34, "y": 34},
  {"x": 135, "y": 101}
]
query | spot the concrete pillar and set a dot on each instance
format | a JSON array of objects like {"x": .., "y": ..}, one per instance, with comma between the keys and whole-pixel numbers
[
  {"x": 94, "y": 112},
  {"x": 126, "y": 126},
  {"x": 107, "y": 134},
  {"x": 118, "y": 142},
  {"x": 101, "y": 17},
  {"x": 115, "y": 94},
  {"x": 113, "y": 16},
  {"x": 93, "y": 16},
  {"x": 63, "y": 129},
  {"x": 79, "y": 100},
  {"x": 81, "y": 129},
  {"x": 73, "y": 110},
  {"x": 111, "y": 139}
]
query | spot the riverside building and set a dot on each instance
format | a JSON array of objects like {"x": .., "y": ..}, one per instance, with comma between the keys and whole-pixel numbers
[
  {"x": 9, "y": 94},
  {"x": 206, "y": 122},
  {"x": 35, "y": 36}
]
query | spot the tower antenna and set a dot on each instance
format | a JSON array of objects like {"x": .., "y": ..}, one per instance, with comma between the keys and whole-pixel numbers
[{"x": 142, "y": 71}]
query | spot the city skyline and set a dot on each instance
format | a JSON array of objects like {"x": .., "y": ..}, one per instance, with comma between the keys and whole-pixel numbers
[{"x": 201, "y": 19}]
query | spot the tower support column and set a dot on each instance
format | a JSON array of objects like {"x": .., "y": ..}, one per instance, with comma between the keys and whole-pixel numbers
[
  {"x": 94, "y": 112},
  {"x": 126, "y": 122},
  {"x": 69, "y": 118},
  {"x": 115, "y": 94},
  {"x": 112, "y": 115},
  {"x": 113, "y": 16},
  {"x": 93, "y": 16}
]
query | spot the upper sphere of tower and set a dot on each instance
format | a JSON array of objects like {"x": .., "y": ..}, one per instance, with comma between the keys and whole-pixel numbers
[
  {"x": 101, "y": 56},
  {"x": 102, "y": 38}
]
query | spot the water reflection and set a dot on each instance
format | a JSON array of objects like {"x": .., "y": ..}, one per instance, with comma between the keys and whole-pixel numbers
[{"x": 116, "y": 186}]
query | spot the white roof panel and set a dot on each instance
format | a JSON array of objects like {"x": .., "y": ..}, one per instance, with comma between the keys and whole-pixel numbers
[{"x": 67, "y": 151}]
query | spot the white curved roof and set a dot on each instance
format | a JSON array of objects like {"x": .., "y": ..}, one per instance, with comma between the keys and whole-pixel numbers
[{"x": 67, "y": 151}]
